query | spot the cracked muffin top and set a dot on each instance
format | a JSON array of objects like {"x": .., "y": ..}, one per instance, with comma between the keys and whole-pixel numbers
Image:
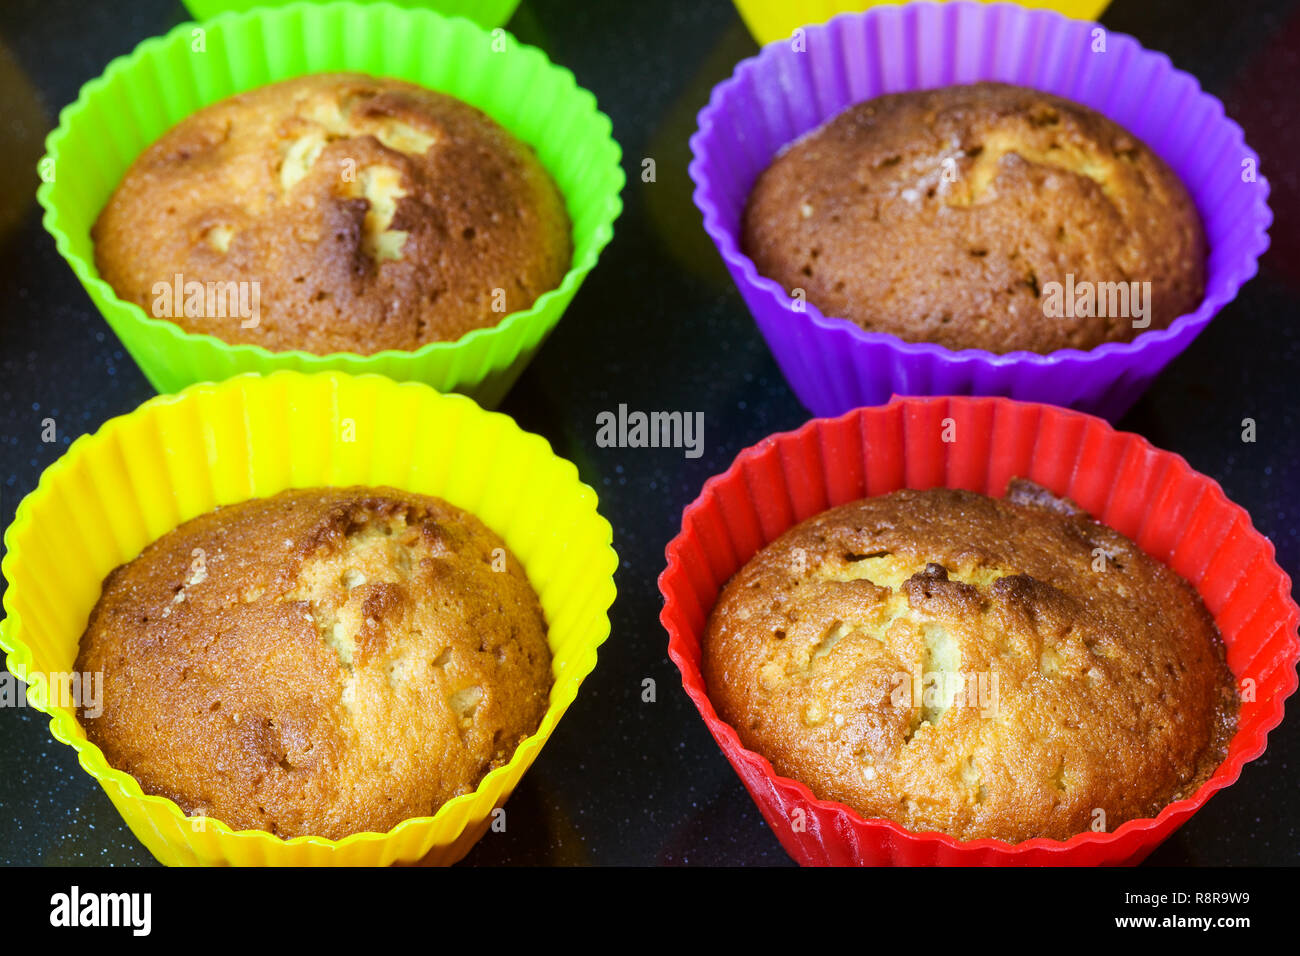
[
  {"x": 955, "y": 215},
  {"x": 372, "y": 214},
  {"x": 323, "y": 661},
  {"x": 980, "y": 667}
]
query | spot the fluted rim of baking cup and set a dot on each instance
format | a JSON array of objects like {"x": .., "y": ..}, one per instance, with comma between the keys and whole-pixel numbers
[
  {"x": 551, "y": 112},
  {"x": 486, "y": 13},
  {"x": 802, "y": 458},
  {"x": 965, "y": 24},
  {"x": 176, "y": 456},
  {"x": 772, "y": 20}
]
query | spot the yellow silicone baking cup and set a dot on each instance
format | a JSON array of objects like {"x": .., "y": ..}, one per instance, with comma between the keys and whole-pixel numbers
[
  {"x": 178, "y": 456},
  {"x": 770, "y": 20}
]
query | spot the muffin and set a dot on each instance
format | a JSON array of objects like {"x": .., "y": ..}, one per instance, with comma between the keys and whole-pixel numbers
[
  {"x": 324, "y": 661},
  {"x": 980, "y": 667},
  {"x": 979, "y": 217},
  {"x": 335, "y": 213}
]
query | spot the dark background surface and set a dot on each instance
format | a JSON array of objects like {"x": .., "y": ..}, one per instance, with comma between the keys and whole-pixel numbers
[{"x": 657, "y": 325}]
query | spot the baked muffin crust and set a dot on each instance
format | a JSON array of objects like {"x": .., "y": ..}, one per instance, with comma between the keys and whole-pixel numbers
[
  {"x": 323, "y": 661},
  {"x": 943, "y": 215},
  {"x": 954, "y": 662},
  {"x": 373, "y": 214}
]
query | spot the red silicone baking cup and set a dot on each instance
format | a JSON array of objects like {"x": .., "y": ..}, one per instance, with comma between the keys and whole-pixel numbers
[{"x": 1174, "y": 513}]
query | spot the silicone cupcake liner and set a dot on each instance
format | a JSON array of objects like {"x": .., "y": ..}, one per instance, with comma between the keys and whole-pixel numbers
[
  {"x": 179, "y": 456},
  {"x": 772, "y": 20},
  {"x": 486, "y": 13},
  {"x": 164, "y": 80},
  {"x": 1153, "y": 496},
  {"x": 770, "y": 100}
]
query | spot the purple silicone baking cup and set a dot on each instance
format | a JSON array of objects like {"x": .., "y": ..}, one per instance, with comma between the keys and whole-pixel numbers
[{"x": 782, "y": 93}]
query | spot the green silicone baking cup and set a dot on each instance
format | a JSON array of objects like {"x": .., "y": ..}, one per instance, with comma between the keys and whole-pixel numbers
[
  {"x": 140, "y": 96},
  {"x": 486, "y": 13}
]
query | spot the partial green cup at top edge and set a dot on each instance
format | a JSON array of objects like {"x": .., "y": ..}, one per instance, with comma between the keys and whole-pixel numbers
[
  {"x": 486, "y": 13},
  {"x": 165, "y": 79}
]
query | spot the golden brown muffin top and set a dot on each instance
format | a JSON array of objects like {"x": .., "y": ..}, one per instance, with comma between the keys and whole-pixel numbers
[
  {"x": 981, "y": 667},
  {"x": 323, "y": 661},
  {"x": 943, "y": 216},
  {"x": 373, "y": 214}
]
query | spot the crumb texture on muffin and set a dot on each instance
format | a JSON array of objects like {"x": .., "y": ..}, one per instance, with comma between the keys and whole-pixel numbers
[
  {"x": 323, "y": 661},
  {"x": 943, "y": 215},
  {"x": 373, "y": 214},
  {"x": 980, "y": 667}
]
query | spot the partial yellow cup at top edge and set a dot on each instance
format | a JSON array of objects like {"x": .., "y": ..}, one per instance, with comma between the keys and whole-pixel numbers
[
  {"x": 178, "y": 456},
  {"x": 771, "y": 20}
]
